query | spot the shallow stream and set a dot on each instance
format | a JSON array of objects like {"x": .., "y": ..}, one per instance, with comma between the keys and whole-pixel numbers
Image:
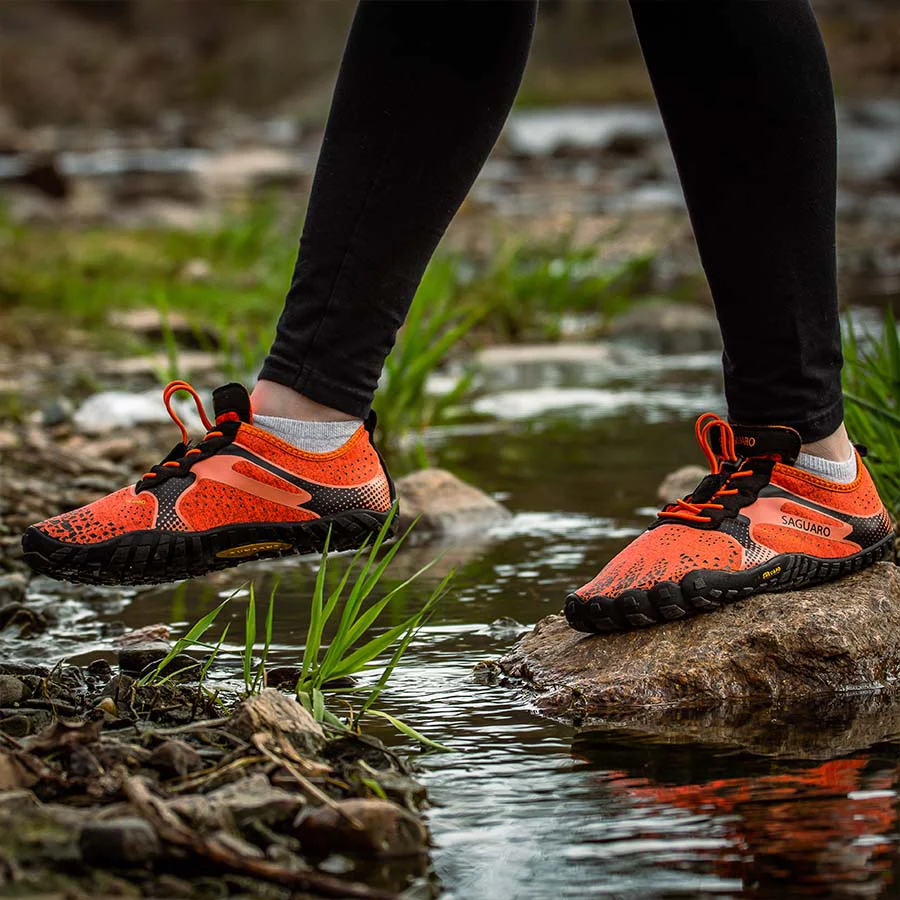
[{"x": 760, "y": 806}]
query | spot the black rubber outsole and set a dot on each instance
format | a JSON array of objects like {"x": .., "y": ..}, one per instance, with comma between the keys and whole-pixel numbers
[
  {"x": 158, "y": 557},
  {"x": 708, "y": 590}
]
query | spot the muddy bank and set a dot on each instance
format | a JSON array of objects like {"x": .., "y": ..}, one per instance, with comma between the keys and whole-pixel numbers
[{"x": 111, "y": 785}]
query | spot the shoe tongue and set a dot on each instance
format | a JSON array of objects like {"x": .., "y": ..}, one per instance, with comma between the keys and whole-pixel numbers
[
  {"x": 231, "y": 402},
  {"x": 772, "y": 440}
]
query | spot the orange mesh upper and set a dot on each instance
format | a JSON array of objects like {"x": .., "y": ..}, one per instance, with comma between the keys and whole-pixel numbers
[
  {"x": 666, "y": 553},
  {"x": 208, "y": 504},
  {"x": 859, "y": 498},
  {"x": 105, "y": 518},
  {"x": 353, "y": 464}
]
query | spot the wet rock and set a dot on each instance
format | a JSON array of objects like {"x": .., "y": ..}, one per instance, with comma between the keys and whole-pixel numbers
[
  {"x": 22, "y": 723},
  {"x": 12, "y": 588},
  {"x": 119, "y": 689},
  {"x": 128, "y": 841},
  {"x": 173, "y": 759},
  {"x": 668, "y": 327},
  {"x": 28, "y": 621},
  {"x": 376, "y": 827},
  {"x": 270, "y": 711},
  {"x": 135, "y": 659},
  {"x": 56, "y": 411},
  {"x": 826, "y": 640},
  {"x": 680, "y": 483},
  {"x": 147, "y": 634},
  {"x": 181, "y": 667},
  {"x": 254, "y": 799},
  {"x": 283, "y": 676},
  {"x": 12, "y": 691},
  {"x": 100, "y": 668},
  {"x": 446, "y": 505}
]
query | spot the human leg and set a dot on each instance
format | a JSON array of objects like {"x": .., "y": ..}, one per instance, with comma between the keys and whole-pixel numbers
[
  {"x": 746, "y": 96},
  {"x": 423, "y": 92}
]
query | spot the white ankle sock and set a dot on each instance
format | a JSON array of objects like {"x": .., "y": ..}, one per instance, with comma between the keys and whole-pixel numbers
[
  {"x": 839, "y": 472},
  {"x": 314, "y": 437}
]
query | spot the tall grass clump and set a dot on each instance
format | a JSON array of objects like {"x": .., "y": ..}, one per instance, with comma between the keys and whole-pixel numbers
[
  {"x": 339, "y": 644},
  {"x": 872, "y": 389}
]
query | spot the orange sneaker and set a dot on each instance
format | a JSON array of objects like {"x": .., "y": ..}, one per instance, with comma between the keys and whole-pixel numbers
[
  {"x": 755, "y": 524},
  {"x": 239, "y": 494}
]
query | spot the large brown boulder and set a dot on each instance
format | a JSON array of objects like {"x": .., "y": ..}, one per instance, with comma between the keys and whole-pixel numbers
[
  {"x": 837, "y": 637},
  {"x": 446, "y": 506}
]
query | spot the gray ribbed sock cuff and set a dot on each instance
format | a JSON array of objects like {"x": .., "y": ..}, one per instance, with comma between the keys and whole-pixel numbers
[
  {"x": 314, "y": 437},
  {"x": 838, "y": 472}
]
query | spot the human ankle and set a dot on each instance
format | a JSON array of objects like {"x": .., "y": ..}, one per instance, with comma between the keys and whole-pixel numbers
[
  {"x": 836, "y": 447},
  {"x": 272, "y": 399}
]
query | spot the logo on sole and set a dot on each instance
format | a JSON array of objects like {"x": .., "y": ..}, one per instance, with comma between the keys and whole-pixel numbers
[
  {"x": 771, "y": 572},
  {"x": 253, "y": 549}
]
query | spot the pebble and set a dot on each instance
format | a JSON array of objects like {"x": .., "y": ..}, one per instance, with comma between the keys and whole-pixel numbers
[
  {"x": 386, "y": 829},
  {"x": 175, "y": 758},
  {"x": 134, "y": 660},
  {"x": 12, "y": 691},
  {"x": 129, "y": 840}
]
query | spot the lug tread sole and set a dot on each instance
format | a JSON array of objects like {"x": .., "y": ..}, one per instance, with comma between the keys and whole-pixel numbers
[{"x": 158, "y": 556}]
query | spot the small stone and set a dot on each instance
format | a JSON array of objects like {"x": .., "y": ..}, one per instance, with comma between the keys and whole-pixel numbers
[
  {"x": 22, "y": 723},
  {"x": 254, "y": 799},
  {"x": 115, "y": 449},
  {"x": 445, "y": 505},
  {"x": 56, "y": 411},
  {"x": 129, "y": 841},
  {"x": 108, "y": 706},
  {"x": 133, "y": 660},
  {"x": 12, "y": 691},
  {"x": 270, "y": 711},
  {"x": 12, "y": 588},
  {"x": 385, "y": 829},
  {"x": 119, "y": 688},
  {"x": 100, "y": 668},
  {"x": 283, "y": 676},
  {"x": 28, "y": 621},
  {"x": 175, "y": 759},
  {"x": 680, "y": 483},
  {"x": 149, "y": 634}
]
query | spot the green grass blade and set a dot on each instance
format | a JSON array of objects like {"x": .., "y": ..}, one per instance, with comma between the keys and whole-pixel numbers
[
  {"x": 316, "y": 621},
  {"x": 196, "y": 631},
  {"x": 270, "y": 624},
  {"x": 249, "y": 639},
  {"x": 411, "y": 732}
]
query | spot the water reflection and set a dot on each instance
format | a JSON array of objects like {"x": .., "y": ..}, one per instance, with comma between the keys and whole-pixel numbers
[{"x": 803, "y": 828}]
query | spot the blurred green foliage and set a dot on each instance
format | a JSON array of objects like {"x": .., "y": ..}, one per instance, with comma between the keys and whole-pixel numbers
[
  {"x": 228, "y": 282},
  {"x": 872, "y": 386}
]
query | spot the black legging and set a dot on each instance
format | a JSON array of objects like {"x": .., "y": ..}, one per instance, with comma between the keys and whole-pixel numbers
[{"x": 423, "y": 92}]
